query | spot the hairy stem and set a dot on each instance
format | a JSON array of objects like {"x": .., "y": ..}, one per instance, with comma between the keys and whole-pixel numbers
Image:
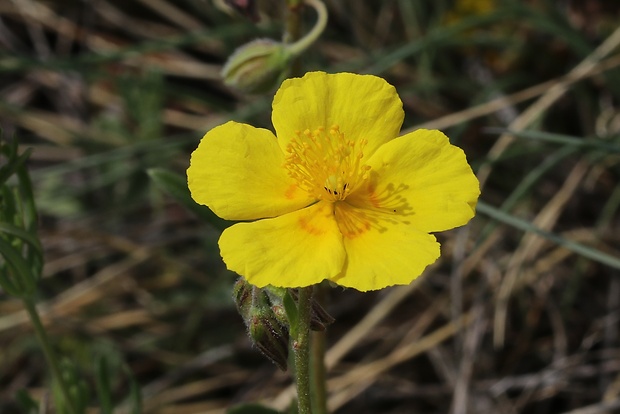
[
  {"x": 301, "y": 349},
  {"x": 317, "y": 370},
  {"x": 317, "y": 357}
]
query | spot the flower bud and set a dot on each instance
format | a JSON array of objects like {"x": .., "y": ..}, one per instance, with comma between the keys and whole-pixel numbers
[
  {"x": 257, "y": 66},
  {"x": 270, "y": 337},
  {"x": 280, "y": 314},
  {"x": 242, "y": 295},
  {"x": 266, "y": 322}
]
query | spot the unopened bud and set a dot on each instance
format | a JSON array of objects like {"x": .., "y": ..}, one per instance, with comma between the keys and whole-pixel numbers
[
  {"x": 280, "y": 314},
  {"x": 242, "y": 295},
  {"x": 266, "y": 322},
  {"x": 270, "y": 337},
  {"x": 257, "y": 66}
]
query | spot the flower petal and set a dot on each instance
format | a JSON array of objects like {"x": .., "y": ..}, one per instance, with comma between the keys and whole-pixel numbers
[
  {"x": 422, "y": 176},
  {"x": 294, "y": 250},
  {"x": 363, "y": 106},
  {"x": 381, "y": 250},
  {"x": 237, "y": 170}
]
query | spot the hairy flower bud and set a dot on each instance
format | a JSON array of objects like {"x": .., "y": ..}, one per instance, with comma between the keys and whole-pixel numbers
[
  {"x": 280, "y": 314},
  {"x": 269, "y": 336},
  {"x": 257, "y": 66},
  {"x": 242, "y": 295},
  {"x": 266, "y": 321}
]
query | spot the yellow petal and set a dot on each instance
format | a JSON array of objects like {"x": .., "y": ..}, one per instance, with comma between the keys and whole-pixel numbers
[
  {"x": 363, "y": 106},
  {"x": 423, "y": 177},
  {"x": 294, "y": 250},
  {"x": 381, "y": 250},
  {"x": 237, "y": 170}
]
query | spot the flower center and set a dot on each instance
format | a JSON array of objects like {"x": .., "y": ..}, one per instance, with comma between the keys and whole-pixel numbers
[{"x": 326, "y": 164}]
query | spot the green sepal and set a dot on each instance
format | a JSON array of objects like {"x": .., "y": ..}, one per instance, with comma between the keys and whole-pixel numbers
[{"x": 290, "y": 306}]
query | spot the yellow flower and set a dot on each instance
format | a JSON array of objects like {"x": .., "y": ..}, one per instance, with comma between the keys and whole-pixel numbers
[{"x": 336, "y": 195}]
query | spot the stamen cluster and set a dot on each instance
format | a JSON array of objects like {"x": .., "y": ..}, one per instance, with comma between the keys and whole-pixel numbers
[{"x": 325, "y": 163}]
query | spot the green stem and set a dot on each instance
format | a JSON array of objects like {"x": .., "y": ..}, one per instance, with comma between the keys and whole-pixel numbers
[
  {"x": 293, "y": 21},
  {"x": 293, "y": 33},
  {"x": 317, "y": 373},
  {"x": 49, "y": 353},
  {"x": 317, "y": 369},
  {"x": 293, "y": 26},
  {"x": 301, "y": 349}
]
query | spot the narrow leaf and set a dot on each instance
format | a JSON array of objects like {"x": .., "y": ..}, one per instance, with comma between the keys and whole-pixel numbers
[{"x": 524, "y": 225}]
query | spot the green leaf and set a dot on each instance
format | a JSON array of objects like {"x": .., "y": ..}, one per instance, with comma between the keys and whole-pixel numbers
[
  {"x": 252, "y": 409},
  {"x": 598, "y": 144},
  {"x": 135, "y": 395},
  {"x": 28, "y": 208},
  {"x": 15, "y": 277},
  {"x": 25, "y": 236},
  {"x": 175, "y": 185},
  {"x": 581, "y": 249},
  {"x": 102, "y": 381},
  {"x": 14, "y": 162}
]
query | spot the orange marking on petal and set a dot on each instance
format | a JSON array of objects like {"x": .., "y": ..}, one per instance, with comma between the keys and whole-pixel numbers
[
  {"x": 318, "y": 223},
  {"x": 357, "y": 229},
  {"x": 290, "y": 191},
  {"x": 305, "y": 223}
]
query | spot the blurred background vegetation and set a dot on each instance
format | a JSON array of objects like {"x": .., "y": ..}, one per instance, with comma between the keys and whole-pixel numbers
[{"x": 520, "y": 315}]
